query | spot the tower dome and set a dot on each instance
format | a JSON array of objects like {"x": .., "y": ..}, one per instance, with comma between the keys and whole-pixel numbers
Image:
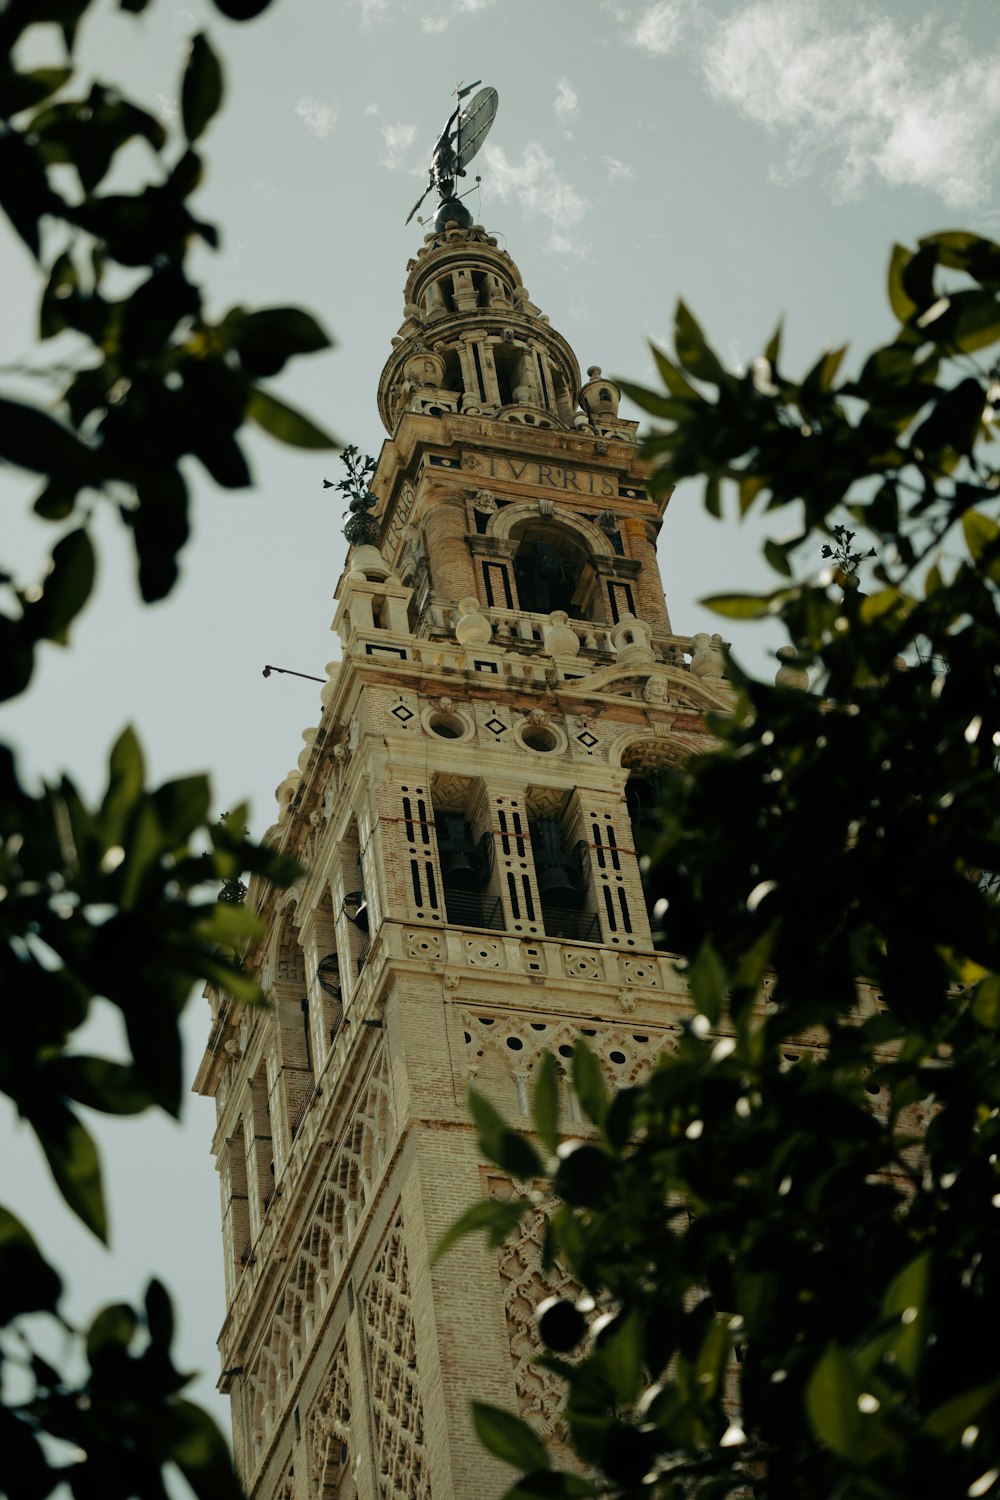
[{"x": 473, "y": 342}]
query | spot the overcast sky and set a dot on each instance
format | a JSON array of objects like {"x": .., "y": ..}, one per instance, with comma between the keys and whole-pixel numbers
[{"x": 757, "y": 159}]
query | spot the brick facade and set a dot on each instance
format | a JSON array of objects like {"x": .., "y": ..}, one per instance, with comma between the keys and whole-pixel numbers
[{"x": 467, "y": 811}]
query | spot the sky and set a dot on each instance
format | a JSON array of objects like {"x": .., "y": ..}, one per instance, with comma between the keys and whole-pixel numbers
[{"x": 757, "y": 159}]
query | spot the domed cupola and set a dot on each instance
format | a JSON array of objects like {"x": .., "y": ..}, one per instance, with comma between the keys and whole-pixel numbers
[{"x": 472, "y": 341}]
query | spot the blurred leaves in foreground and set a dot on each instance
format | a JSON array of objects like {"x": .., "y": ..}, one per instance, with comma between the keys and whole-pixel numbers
[
  {"x": 115, "y": 903},
  {"x": 787, "y": 1240}
]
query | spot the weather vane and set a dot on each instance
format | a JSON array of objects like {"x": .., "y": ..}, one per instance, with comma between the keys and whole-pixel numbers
[{"x": 457, "y": 144}]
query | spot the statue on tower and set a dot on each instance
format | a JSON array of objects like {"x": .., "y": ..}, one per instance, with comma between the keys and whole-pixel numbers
[{"x": 453, "y": 152}]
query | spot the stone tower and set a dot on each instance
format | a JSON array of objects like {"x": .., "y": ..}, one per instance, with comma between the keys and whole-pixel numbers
[{"x": 467, "y": 810}]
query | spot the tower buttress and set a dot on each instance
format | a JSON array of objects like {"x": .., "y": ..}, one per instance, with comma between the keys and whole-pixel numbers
[{"x": 468, "y": 812}]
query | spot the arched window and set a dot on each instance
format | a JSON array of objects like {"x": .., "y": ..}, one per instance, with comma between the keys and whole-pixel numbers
[{"x": 551, "y": 570}]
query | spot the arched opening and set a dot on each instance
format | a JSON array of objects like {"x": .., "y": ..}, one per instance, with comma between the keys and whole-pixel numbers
[{"x": 552, "y": 570}]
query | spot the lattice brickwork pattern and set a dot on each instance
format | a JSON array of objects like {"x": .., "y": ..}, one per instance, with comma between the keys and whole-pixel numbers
[
  {"x": 525, "y": 1285},
  {"x": 328, "y": 1432},
  {"x": 390, "y": 1351},
  {"x": 313, "y": 1269},
  {"x": 502, "y": 1051}
]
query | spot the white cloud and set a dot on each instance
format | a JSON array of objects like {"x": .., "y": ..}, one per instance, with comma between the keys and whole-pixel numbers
[
  {"x": 566, "y": 101},
  {"x": 913, "y": 106},
  {"x": 319, "y": 119},
  {"x": 166, "y": 108},
  {"x": 372, "y": 12},
  {"x": 397, "y": 139},
  {"x": 434, "y": 23},
  {"x": 561, "y": 244},
  {"x": 659, "y": 27},
  {"x": 617, "y": 169},
  {"x": 535, "y": 183}
]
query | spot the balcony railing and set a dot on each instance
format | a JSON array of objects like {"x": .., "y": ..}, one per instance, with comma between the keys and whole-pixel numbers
[
  {"x": 563, "y": 922},
  {"x": 473, "y": 909},
  {"x": 300, "y": 1113}
]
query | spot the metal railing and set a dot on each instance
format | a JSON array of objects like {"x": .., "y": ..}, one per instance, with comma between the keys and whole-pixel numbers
[
  {"x": 300, "y": 1113},
  {"x": 470, "y": 909},
  {"x": 563, "y": 922}
]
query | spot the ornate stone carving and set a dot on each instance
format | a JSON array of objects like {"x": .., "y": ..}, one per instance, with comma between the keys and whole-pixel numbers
[
  {"x": 391, "y": 1357},
  {"x": 525, "y": 1285},
  {"x": 328, "y": 1432}
]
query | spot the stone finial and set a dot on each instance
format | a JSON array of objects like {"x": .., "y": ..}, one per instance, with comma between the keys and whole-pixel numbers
[
  {"x": 708, "y": 658},
  {"x": 600, "y": 397},
  {"x": 631, "y": 639},
  {"x": 558, "y": 637},
  {"x": 472, "y": 627},
  {"x": 792, "y": 673}
]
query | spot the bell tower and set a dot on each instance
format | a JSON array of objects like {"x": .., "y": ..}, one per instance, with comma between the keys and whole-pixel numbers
[{"x": 467, "y": 811}]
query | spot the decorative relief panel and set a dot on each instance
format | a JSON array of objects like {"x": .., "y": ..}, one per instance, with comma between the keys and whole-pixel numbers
[
  {"x": 391, "y": 1355},
  {"x": 525, "y": 1285},
  {"x": 643, "y": 972},
  {"x": 581, "y": 963},
  {"x": 328, "y": 1433},
  {"x": 481, "y": 953},
  {"x": 418, "y": 942},
  {"x": 314, "y": 1265},
  {"x": 502, "y": 1050}
]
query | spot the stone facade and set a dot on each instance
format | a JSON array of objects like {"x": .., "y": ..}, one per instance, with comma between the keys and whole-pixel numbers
[{"x": 467, "y": 811}]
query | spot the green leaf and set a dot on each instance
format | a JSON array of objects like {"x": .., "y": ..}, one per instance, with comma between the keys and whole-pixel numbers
[
  {"x": 508, "y": 1438},
  {"x": 498, "y": 1216},
  {"x": 112, "y": 1331},
  {"x": 901, "y": 303},
  {"x": 832, "y": 1403},
  {"x": 672, "y": 377},
  {"x": 706, "y": 980},
  {"x": 739, "y": 606},
  {"x": 948, "y": 1421},
  {"x": 267, "y": 339},
  {"x": 230, "y": 924},
  {"x": 284, "y": 423},
  {"x": 545, "y": 1100},
  {"x": 27, "y": 1282},
  {"x": 986, "y": 1002},
  {"x": 713, "y": 496},
  {"x": 201, "y": 1453},
  {"x": 159, "y": 1314},
  {"x": 693, "y": 351},
  {"x": 713, "y": 1356},
  {"x": 66, "y": 589},
  {"x": 31, "y": 439},
  {"x": 26, "y": 90},
  {"x": 824, "y": 371},
  {"x": 75, "y": 1165},
  {"x": 125, "y": 780},
  {"x": 585, "y": 1175},
  {"x": 506, "y": 1147},
  {"x": 622, "y": 1355},
  {"x": 981, "y": 533},
  {"x": 588, "y": 1082},
  {"x": 101, "y": 1084},
  {"x": 201, "y": 89},
  {"x": 906, "y": 1298}
]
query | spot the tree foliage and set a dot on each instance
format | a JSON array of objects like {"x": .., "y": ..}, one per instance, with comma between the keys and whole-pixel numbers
[
  {"x": 113, "y": 902},
  {"x": 788, "y": 1240}
]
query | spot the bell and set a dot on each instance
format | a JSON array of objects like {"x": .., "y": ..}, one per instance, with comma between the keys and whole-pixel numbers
[
  {"x": 361, "y": 916},
  {"x": 556, "y": 887},
  {"x": 458, "y": 869}
]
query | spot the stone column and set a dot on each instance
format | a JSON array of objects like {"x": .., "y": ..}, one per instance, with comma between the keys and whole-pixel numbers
[
  {"x": 452, "y": 575},
  {"x": 648, "y": 586}
]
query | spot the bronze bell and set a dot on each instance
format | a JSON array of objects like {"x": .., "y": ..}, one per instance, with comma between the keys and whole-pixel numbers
[{"x": 556, "y": 887}]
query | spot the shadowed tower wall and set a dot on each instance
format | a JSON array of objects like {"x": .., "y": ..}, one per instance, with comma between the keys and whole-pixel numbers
[{"x": 466, "y": 811}]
